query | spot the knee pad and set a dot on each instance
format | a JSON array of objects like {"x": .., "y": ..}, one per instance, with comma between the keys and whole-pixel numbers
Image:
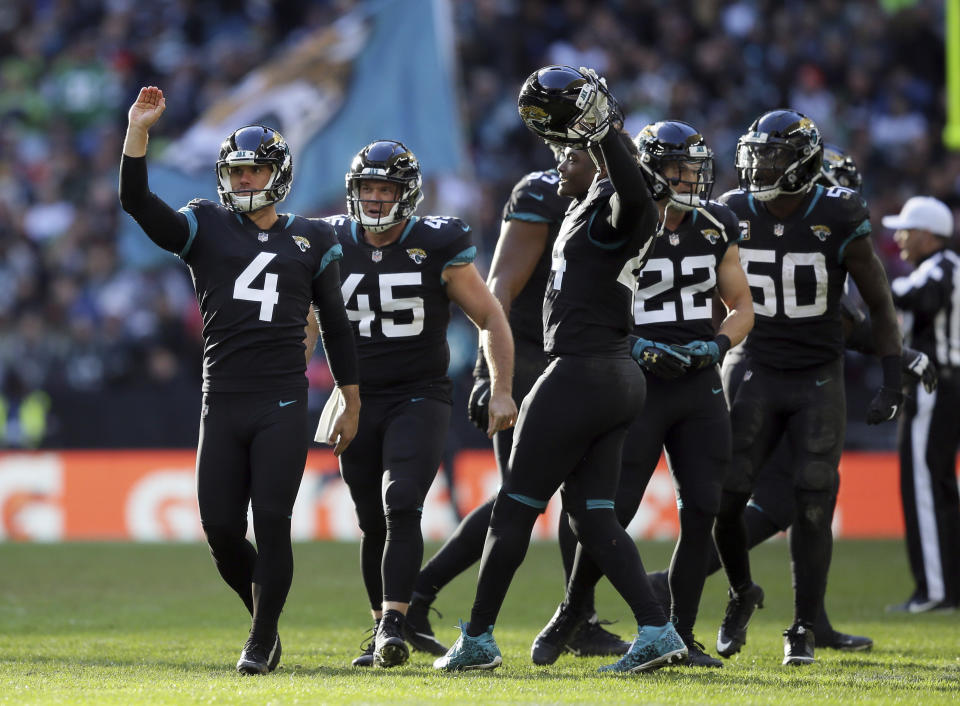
[
  {"x": 370, "y": 518},
  {"x": 401, "y": 495},
  {"x": 815, "y": 508},
  {"x": 818, "y": 475},
  {"x": 220, "y": 537},
  {"x": 402, "y": 524}
]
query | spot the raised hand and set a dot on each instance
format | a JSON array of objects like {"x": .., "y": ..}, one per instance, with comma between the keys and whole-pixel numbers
[{"x": 147, "y": 109}]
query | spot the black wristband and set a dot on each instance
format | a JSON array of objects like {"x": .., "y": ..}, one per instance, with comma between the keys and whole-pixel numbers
[
  {"x": 890, "y": 364},
  {"x": 723, "y": 343}
]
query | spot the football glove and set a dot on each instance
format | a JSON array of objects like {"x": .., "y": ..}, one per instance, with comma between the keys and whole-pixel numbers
[
  {"x": 478, "y": 406},
  {"x": 660, "y": 359},
  {"x": 704, "y": 353},
  {"x": 885, "y": 406},
  {"x": 918, "y": 366},
  {"x": 600, "y": 111}
]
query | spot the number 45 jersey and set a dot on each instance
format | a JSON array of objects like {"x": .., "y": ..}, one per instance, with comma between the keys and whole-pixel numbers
[
  {"x": 398, "y": 303},
  {"x": 796, "y": 274},
  {"x": 254, "y": 287}
]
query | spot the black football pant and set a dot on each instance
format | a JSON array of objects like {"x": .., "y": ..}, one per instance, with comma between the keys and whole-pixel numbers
[
  {"x": 929, "y": 437},
  {"x": 570, "y": 436},
  {"x": 807, "y": 408},
  {"x": 689, "y": 417},
  {"x": 389, "y": 467},
  {"x": 252, "y": 450},
  {"x": 465, "y": 546}
]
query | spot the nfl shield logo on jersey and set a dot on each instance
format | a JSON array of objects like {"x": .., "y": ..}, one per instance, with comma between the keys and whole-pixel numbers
[
  {"x": 711, "y": 235},
  {"x": 376, "y": 255},
  {"x": 301, "y": 242},
  {"x": 674, "y": 239},
  {"x": 263, "y": 237},
  {"x": 821, "y": 232},
  {"x": 778, "y": 229},
  {"x": 418, "y": 255}
]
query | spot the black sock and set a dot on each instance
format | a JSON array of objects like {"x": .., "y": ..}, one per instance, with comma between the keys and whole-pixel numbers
[
  {"x": 811, "y": 549},
  {"x": 273, "y": 573},
  {"x": 730, "y": 535},
  {"x": 586, "y": 578},
  {"x": 402, "y": 555},
  {"x": 459, "y": 552},
  {"x": 371, "y": 563},
  {"x": 688, "y": 567}
]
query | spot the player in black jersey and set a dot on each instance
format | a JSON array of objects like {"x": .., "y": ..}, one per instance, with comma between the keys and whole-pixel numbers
[
  {"x": 399, "y": 274},
  {"x": 256, "y": 274},
  {"x": 694, "y": 255},
  {"x": 576, "y": 446},
  {"x": 798, "y": 242}
]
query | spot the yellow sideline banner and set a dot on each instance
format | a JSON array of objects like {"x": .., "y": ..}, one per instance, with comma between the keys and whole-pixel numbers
[{"x": 51, "y": 496}]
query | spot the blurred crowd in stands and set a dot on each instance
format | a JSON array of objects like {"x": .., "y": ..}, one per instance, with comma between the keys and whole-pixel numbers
[{"x": 93, "y": 352}]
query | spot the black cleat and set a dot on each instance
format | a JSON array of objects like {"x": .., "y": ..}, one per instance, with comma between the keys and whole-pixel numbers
[
  {"x": 696, "y": 657},
  {"x": 366, "y": 655},
  {"x": 733, "y": 630},
  {"x": 660, "y": 583},
  {"x": 389, "y": 649},
  {"x": 841, "y": 641},
  {"x": 416, "y": 628},
  {"x": 591, "y": 640},
  {"x": 259, "y": 657},
  {"x": 552, "y": 640},
  {"x": 798, "y": 643}
]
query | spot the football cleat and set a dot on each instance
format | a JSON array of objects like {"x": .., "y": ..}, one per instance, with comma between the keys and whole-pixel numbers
[
  {"x": 480, "y": 652},
  {"x": 920, "y": 605},
  {"x": 798, "y": 643},
  {"x": 553, "y": 639},
  {"x": 389, "y": 649},
  {"x": 259, "y": 657},
  {"x": 366, "y": 655},
  {"x": 653, "y": 647},
  {"x": 591, "y": 640},
  {"x": 416, "y": 628},
  {"x": 733, "y": 630},
  {"x": 696, "y": 657}
]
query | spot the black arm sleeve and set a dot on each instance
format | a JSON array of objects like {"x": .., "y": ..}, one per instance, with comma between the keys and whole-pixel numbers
[
  {"x": 335, "y": 330},
  {"x": 632, "y": 207},
  {"x": 166, "y": 227}
]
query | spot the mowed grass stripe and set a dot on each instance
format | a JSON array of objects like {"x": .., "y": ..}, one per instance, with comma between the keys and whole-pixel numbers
[{"x": 154, "y": 624}]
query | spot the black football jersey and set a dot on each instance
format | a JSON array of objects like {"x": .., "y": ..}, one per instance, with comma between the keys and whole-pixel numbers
[
  {"x": 254, "y": 288},
  {"x": 674, "y": 300},
  {"x": 587, "y": 306},
  {"x": 535, "y": 199},
  {"x": 796, "y": 273},
  {"x": 398, "y": 303}
]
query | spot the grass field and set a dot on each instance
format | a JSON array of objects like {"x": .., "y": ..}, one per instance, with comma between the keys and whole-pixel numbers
[{"x": 138, "y": 624}]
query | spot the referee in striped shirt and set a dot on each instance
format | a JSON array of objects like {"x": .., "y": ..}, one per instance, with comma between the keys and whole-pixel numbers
[{"x": 929, "y": 299}]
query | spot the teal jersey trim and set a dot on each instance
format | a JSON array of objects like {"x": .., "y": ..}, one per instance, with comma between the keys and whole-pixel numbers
[
  {"x": 193, "y": 226},
  {"x": 353, "y": 232},
  {"x": 540, "y": 505},
  {"x": 406, "y": 231},
  {"x": 334, "y": 253},
  {"x": 528, "y": 217},
  {"x": 863, "y": 229},
  {"x": 813, "y": 201},
  {"x": 752, "y": 204},
  {"x": 464, "y": 257},
  {"x": 290, "y": 218},
  {"x": 602, "y": 246},
  {"x": 599, "y": 504}
]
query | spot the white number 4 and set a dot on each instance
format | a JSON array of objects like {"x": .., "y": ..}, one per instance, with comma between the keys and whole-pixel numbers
[{"x": 268, "y": 296}]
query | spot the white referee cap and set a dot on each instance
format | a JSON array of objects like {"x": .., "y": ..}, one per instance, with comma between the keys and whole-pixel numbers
[{"x": 923, "y": 213}]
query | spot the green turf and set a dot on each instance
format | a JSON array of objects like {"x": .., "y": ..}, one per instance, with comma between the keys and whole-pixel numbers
[{"x": 139, "y": 624}]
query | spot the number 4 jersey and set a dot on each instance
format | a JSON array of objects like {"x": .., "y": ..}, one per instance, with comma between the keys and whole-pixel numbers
[
  {"x": 398, "y": 303},
  {"x": 795, "y": 270},
  {"x": 254, "y": 287}
]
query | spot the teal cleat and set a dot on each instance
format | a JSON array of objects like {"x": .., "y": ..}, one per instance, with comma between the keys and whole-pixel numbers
[
  {"x": 653, "y": 647},
  {"x": 467, "y": 652}
]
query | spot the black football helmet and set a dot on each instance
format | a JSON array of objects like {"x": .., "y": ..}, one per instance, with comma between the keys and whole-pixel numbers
[
  {"x": 673, "y": 153},
  {"x": 839, "y": 169},
  {"x": 554, "y": 100},
  {"x": 385, "y": 160},
  {"x": 254, "y": 144},
  {"x": 781, "y": 153}
]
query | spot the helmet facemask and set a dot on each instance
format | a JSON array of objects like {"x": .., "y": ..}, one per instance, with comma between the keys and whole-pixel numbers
[
  {"x": 390, "y": 161},
  {"x": 768, "y": 166},
  {"x": 670, "y": 171},
  {"x": 377, "y": 224}
]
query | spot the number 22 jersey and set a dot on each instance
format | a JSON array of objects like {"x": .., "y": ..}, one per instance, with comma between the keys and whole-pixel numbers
[{"x": 398, "y": 304}]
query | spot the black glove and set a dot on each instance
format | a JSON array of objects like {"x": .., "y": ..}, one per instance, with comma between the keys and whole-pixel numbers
[
  {"x": 478, "y": 406},
  {"x": 885, "y": 406},
  {"x": 918, "y": 366},
  {"x": 660, "y": 359}
]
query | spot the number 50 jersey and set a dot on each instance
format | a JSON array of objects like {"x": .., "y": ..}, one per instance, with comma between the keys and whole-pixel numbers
[
  {"x": 398, "y": 304},
  {"x": 796, "y": 273}
]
